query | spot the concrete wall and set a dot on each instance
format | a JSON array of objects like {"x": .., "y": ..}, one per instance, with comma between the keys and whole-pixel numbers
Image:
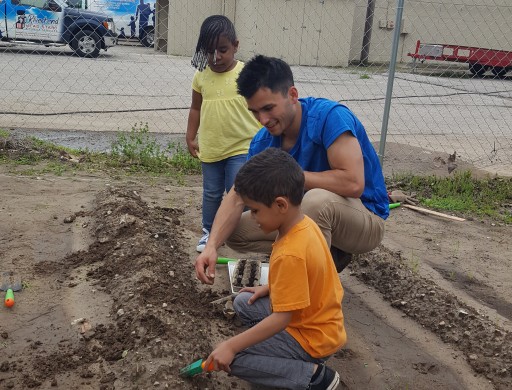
[
  {"x": 162, "y": 23},
  {"x": 480, "y": 23},
  {"x": 302, "y": 32},
  {"x": 330, "y": 32}
]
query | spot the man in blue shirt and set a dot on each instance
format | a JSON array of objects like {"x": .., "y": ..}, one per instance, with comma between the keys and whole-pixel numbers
[{"x": 345, "y": 193}]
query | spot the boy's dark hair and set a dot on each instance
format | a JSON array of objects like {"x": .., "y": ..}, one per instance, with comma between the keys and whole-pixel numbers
[
  {"x": 264, "y": 72},
  {"x": 269, "y": 174},
  {"x": 212, "y": 28}
]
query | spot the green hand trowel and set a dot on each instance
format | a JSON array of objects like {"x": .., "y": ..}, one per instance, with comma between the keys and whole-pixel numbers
[{"x": 196, "y": 368}]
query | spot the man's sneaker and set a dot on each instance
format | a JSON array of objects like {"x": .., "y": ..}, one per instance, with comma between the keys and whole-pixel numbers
[
  {"x": 203, "y": 241},
  {"x": 341, "y": 258},
  {"x": 329, "y": 380}
]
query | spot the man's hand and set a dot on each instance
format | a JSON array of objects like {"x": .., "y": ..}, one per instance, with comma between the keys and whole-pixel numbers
[
  {"x": 205, "y": 265},
  {"x": 399, "y": 196}
]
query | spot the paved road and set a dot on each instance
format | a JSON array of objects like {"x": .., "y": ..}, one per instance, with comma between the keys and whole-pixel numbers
[{"x": 132, "y": 85}]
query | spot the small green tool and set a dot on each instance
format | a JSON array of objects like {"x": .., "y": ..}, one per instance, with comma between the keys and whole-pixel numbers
[
  {"x": 224, "y": 260},
  {"x": 394, "y": 205},
  {"x": 195, "y": 368}
]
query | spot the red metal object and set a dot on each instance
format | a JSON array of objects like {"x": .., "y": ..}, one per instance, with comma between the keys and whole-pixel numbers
[{"x": 479, "y": 59}]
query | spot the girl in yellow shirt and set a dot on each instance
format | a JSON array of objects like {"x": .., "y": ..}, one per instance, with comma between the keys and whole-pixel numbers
[{"x": 220, "y": 127}]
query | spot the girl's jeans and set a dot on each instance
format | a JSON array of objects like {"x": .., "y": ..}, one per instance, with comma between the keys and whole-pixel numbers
[
  {"x": 279, "y": 361},
  {"x": 217, "y": 178}
]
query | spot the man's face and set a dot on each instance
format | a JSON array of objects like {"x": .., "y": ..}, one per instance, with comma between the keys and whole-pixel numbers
[{"x": 273, "y": 110}]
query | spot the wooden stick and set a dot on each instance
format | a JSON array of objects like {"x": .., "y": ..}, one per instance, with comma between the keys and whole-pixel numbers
[
  {"x": 224, "y": 299},
  {"x": 427, "y": 211}
]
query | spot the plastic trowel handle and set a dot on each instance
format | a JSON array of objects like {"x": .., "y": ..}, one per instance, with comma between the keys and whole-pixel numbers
[
  {"x": 9, "y": 298},
  {"x": 196, "y": 368}
]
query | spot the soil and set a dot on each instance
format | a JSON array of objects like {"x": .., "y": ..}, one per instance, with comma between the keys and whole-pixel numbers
[{"x": 110, "y": 299}]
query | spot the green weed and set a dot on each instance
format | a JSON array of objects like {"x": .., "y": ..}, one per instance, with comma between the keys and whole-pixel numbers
[
  {"x": 364, "y": 76},
  {"x": 463, "y": 194},
  {"x": 139, "y": 152}
]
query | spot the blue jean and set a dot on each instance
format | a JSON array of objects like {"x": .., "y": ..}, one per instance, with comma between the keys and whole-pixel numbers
[
  {"x": 217, "y": 178},
  {"x": 279, "y": 361}
]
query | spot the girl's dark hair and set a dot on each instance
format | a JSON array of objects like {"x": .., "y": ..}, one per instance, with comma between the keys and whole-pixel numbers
[
  {"x": 212, "y": 28},
  {"x": 264, "y": 72},
  {"x": 269, "y": 174}
]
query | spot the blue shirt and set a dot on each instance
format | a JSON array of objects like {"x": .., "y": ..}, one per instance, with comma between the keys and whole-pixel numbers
[{"x": 323, "y": 121}]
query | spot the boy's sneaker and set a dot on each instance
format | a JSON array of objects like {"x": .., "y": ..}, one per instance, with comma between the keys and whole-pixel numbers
[
  {"x": 329, "y": 381},
  {"x": 203, "y": 241},
  {"x": 341, "y": 258}
]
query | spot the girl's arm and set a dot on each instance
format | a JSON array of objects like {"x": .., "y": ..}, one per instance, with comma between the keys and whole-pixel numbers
[
  {"x": 194, "y": 116},
  {"x": 223, "y": 355}
]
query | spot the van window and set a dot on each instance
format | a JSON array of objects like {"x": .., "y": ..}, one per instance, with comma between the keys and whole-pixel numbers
[{"x": 31, "y": 3}]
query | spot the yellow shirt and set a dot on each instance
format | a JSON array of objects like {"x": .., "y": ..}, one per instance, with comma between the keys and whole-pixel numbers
[
  {"x": 303, "y": 279},
  {"x": 226, "y": 125}
]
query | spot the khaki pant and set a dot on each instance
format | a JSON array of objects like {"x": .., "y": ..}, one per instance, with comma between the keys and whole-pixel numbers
[{"x": 345, "y": 223}]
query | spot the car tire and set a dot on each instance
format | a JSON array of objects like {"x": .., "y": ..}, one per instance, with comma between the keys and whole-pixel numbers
[
  {"x": 148, "y": 39},
  {"x": 499, "y": 71},
  {"x": 477, "y": 69},
  {"x": 86, "y": 44}
]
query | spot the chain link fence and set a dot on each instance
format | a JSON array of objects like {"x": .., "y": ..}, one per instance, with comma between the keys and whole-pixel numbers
[{"x": 450, "y": 90}]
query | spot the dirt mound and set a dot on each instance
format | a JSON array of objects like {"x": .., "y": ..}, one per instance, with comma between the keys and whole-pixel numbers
[
  {"x": 159, "y": 321},
  {"x": 487, "y": 347}
]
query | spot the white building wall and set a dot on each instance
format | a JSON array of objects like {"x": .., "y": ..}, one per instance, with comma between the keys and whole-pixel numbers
[{"x": 330, "y": 32}]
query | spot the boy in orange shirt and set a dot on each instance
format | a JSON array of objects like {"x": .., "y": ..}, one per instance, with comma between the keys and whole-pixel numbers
[{"x": 295, "y": 323}]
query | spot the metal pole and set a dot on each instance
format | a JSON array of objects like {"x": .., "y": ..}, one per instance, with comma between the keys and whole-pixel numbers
[
  {"x": 367, "y": 37},
  {"x": 391, "y": 79}
]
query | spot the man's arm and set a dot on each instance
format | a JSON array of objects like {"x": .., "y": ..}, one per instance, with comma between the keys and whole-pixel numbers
[
  {"x": 346, "y": 176},
  {"x": 225, "y": 222},
  {"x": 223, "y": 355}
]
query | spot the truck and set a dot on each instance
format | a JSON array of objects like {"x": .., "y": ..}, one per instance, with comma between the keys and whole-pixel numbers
[
  {"x": 56, "y": 23},
  {"x": 479, "y": 59},
  {"x": 135, "y": 19}
]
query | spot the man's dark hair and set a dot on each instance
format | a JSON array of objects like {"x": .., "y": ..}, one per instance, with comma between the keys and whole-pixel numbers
[
  {"x": 269, "y": 174},
  {"x": 264, "y": 72},
  {"x": 212, "y": 28}
]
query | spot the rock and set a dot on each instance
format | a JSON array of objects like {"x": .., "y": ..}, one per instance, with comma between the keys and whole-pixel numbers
[
  {"x": 120, "y": 313},
  {"x": 78, "y": 321},
  {"x": 69, "y": 219},
  {"x": 473, "y": 356}
]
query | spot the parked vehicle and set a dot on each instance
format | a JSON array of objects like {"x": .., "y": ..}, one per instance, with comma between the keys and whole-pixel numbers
[
  {"x": 480, "y": 60},
  {"x": 56, "y": 23},
  {"x": 135, "y": 19}
]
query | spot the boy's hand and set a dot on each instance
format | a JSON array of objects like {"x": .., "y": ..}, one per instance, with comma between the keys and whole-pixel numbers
[
  {"x": 205, "y": 265},
  {"x": 258, "y": 292},
  {"x": 222, "y": 357}
]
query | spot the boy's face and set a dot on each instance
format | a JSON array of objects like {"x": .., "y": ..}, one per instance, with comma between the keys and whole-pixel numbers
[
  {"x": 269, "y": 219},
  {"x": 222, "y": 58},
  {"x": 273, "y": 110}
]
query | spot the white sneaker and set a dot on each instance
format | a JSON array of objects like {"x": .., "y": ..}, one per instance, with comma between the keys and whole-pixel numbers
[{"x": 203, "y": 241}]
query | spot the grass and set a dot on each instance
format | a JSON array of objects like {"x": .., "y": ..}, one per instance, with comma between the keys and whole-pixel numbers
[
  {"x": 137, "y": 153},
  {"x": 134, "y": 152},
  {"x": 463, "y": 194}
]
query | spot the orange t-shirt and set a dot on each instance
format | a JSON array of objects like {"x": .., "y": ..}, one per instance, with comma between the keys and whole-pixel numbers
[{"x": 303, "y": 279}]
